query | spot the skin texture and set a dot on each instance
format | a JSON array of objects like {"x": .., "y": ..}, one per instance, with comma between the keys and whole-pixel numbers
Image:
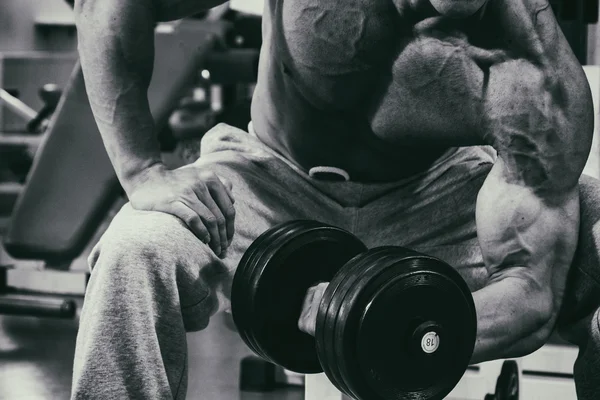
[
  {"x": 116, "y": 50},
  {"x": 535, "y": 109},
  {"x": 382, "y": 88}
]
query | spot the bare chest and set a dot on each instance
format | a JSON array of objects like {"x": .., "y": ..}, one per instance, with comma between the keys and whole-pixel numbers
[
  {"x": 331, "y": 48},
  {"x": 337, "y": 37}
]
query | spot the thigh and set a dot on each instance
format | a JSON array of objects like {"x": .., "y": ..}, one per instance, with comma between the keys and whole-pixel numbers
[{"x": 267, "y": 192}]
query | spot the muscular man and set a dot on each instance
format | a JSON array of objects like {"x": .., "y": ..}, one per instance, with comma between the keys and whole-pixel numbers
[{"x": 458, "y": 128}]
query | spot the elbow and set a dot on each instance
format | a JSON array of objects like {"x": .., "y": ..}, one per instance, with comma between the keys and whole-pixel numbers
[
  {"x": 84, "y": 11},
  {"x": 543, "y": 328},
  {"x": 531, "y": 338},
  {"x": 535, "y": 339},
  {"x": 79, "y": 11},
  {"x": 541, "y": 317},
  {"x": 106, "y": 15},
  {"x": 90, "y": 14}
]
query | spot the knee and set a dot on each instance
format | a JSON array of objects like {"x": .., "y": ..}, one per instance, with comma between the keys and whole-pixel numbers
[
  {"x": 138, "y": 240},
  {"x": 154, "y": 252}
]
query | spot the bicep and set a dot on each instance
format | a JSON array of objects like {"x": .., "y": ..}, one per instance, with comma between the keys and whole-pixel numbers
[{"x": 523, "y": 236}]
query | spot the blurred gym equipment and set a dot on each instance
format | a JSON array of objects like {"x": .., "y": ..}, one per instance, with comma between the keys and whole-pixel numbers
[
  {"x": 50, "y": 95},
  {"x": 72, "y": 185},
  {"x": 16, "y": 148}
]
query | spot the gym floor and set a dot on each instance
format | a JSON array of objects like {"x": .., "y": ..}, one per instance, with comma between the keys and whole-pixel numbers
[{"x": 36, "y": 357}]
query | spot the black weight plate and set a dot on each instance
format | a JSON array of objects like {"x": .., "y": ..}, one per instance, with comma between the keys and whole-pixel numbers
[
  {"x": 241, "y": 289},
  {"x": 272, "y": 245},
  {"x": 346, "y": 329},
  {"x": 321, "y": 244},
  {"x": 365, "y": 268},
  {"x": 266, "y": 247},
  {"x": 391, "y": 363},
  {"x": 240, "y": 292},
  {"x": 436, "y": 298},
  {"x": 357, "y": 270},
  {"x": 353, "y": 271},
  {"x": 280, "y": 281},
  {"x": 239, "y": 302},
  {"x": 370, "y": 267},
  {"x": 507, "y": 386},
  {"x": 322, "y": 323},
  {"x": 326, "y": 316}
]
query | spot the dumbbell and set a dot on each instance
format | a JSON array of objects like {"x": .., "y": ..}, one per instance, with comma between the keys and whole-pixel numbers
[
  {"x": 507, "y": 385},
  {"x": 392, "y": 324}
]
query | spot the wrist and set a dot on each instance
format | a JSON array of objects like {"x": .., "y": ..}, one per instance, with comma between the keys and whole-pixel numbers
[{"x": 138, "y": 175}]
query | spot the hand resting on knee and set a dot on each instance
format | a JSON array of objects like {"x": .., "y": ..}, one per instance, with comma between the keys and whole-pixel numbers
[{"x": 201, "y": 199}]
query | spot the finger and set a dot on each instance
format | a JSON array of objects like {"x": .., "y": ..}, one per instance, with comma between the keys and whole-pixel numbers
[
  {"x": 223, "y": 200},
  {"x": 321, "y": 288},
  {"x": 318, "y": 292},
  {"x": 228, "y": 187},
  {"x": 190, "y": 218},
  {"x": 308, "y": 301},
  {"x": 207, "y": 218},
  {"x": 310, "y": 318},
  {"x": 213, "y": 219},
  {"x": 306, "y": 309}
]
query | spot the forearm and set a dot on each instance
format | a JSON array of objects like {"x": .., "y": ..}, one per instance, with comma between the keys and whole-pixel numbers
[
  {"x": 511, "y": 321},
  {"x": 116, "y": 48},
  {"x": 538, "y": 108}
]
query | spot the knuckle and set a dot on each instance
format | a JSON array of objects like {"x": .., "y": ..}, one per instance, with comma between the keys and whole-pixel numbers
[
  {"x": 211, "y": 221},
  {"x": 220, "y": 220},
  {"x": 198, "y": 185},
  {"x": 170, "y": 198},
  {"x": 188, "y": 192},
  {"x": 191, "y": 219},
  {"x": 302, "y": 325},
  {"x": 230, "y": 212}
]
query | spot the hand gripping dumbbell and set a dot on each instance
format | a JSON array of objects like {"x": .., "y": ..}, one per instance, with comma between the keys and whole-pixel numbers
[{"x": 392, "y": 323}]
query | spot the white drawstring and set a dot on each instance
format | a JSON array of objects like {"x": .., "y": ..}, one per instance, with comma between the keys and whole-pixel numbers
[{"x": 316, "y": 171}]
